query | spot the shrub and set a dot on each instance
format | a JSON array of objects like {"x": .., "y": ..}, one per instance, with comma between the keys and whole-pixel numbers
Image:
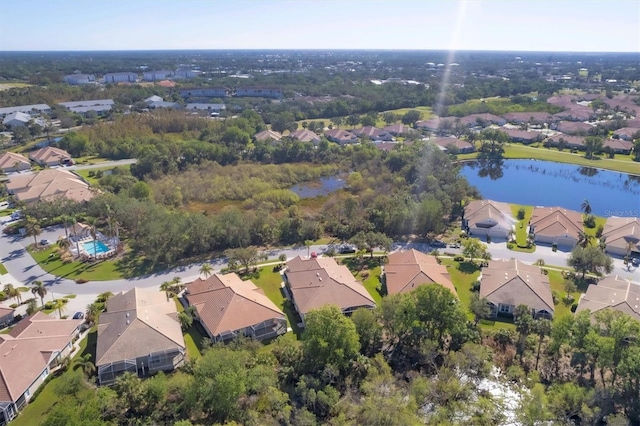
[
  {"x": 13, "y": 305},
  {"x": 568, "y": 299},
  {"x": 574, "y": 307},
  {"x": 590, "y": 221},
  {"x": 520, "y": 213},
  {"x": 459, "y": 259},
  {"x": 91, "y": 173},
  {"x": 556, "y": 297},
  {"x": 475, "y": 287},
  {"x": 510, "y": 245},
  {"x": 599, "y": 231},
  {"x": 81, "y": 281}
]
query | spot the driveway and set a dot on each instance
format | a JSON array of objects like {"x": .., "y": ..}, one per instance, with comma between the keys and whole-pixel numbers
[{"x": 23, "y": 270}]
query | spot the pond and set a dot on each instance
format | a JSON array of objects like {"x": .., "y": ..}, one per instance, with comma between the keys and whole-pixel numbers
[
  {"x": 545, "y": 183},
  {"x": 321, "y": 187}
]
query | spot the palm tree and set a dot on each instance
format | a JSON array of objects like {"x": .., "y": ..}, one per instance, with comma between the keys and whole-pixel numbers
[
  {"x": 64, "y": 244},
  {"x": 206, "y": 270},
  {"x": 32, "y": 229},
  {"x": 38, "y": 288},
  {"x": 586, "y": 207},
  {"x": 65, "y": 222},
  {"x": 11, "y": 292},
  {"x": 92, "y": 222},
  {"x": 584, "y": 239},
  {"x": 172, "y": 288},
  {"x": 75, "y": 233},
  {"x": 627, "y": 255},
  {"x": 86, "y": 365},
  {"x": 92, "y": 313},
  {"x": 60, "y": 306}
]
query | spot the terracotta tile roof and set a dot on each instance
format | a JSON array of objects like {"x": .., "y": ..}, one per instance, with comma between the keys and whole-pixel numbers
[
  {"x": 225, "y": 303},
  {"x": 569, "y": 140},
  {"x": 571, "y": 127},
  {"x": 24, "y": 353},
  {"x": 526, "y": 117},
  {"x": 398, "y": 129},
  {"x": 524, "y": 135},
  {"x": 618, "y": 144},
  {"x": 512, "y": 282},
  {"x": 488, "y": 213},
  {"x": 5, "y": 311},
  {"x": 8, "y": 159},
  {"x": 458, "y": 143},
  {"x": 628, "y": 132},
  {"x": 137, "y": 322},
  {"x": 612, "y": 292},
  {"x": 267, "y": 135},
  {"x": 315, "y": 283},
  {"x": 407, "y": 270},
  {"x": 620, "y": 231},
  {"x": 435, "y": 123},
  {"x": 556, "y": 221},
  {"x": 305, "y": 135},
  {"x": 340, "y": 135},
  {"x": 472, "y": 119},
  {"x": 49, "y": 184},
  {"x": 49, "y": 154}
]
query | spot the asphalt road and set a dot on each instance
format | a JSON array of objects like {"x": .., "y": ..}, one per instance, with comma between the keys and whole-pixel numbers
[
  {"x": 101, "y": 165},
  {"x": 23, "y": 269}
]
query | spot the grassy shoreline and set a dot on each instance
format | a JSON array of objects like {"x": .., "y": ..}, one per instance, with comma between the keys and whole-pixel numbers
[{"x": 623, "y": 164}]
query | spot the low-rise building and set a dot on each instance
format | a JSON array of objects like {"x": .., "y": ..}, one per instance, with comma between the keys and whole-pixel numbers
[
  {"x": 6, "y": 316},
  {"x": 47, "y": 185},
  {"x": 157, "y": 75},
  {"x": 12, "y": 162},
  {"x": 120, "y": 77},
  {"x": 50, "y": 156},
  {"x": 79, "y": 79},
  {"x": 32, "y": 110},
  {"x": 16, "y": 119},
  {"x": 482, "y": 120},
  {"x": 99, "y": 106},
  {"x": 398, "y": 129},
  {"x": 407, "y": 270},
  {"x": 305, "y": 135},
  {"x": 612, "y": 292},
  {"x": 138, "y": 333},
  {"x": 622, "y": 235},
  {"x": 555, "y": 225},
  {"x": 374, "y": 134},
  {"x": 316, "y": 282},
  {"x": 228, "y": 307},
  {"x": 562, "y": 141},
  {"x": 267, "y": 135},
  {"x": 488, "y": 218},
  {"x": 529, "y": 117},
  {"x": 506, "y": 284},
  {"x": 462, "y": 147},
  {"x": 341, "y": 136},
  {"x": 574, "y": 127},
  {"x": 30, "y": 351},
  {"x": 627, "y": 133},
  {"x": 619, "y": 146},
  {"x": 523, "y": 136},
  {"x": 211, "y": 108},
  {"x": 259, "y": 92},
  {"x": 204, "y": 92}
]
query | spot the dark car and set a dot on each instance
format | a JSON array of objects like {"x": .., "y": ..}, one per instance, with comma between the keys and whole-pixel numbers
[
  {"x": 78, "y": 315},
  {"x": 635, "y": 261},
  {"x": 44, "y": 242},
  {"x": 346, "y": 249},
  {"x": 438, "y": 244}
]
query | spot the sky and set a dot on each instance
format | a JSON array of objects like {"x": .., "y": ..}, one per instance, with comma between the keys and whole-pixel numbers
[{"x": 516, "y": 25}]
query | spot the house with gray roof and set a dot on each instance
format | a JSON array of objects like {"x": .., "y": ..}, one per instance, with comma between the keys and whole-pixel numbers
[
  {"x": 33, "y": 110},
  {"x": 139, "y": 333},
  {"x": 509, "y": 283},
  {"x": 16, "y": 119},
  {"x": 612, "y": 292}
]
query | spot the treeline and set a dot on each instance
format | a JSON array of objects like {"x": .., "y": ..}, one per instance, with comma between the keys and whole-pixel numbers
[
  {"x": 501, "y": 107},
  {"x": 415, "y": 359}
]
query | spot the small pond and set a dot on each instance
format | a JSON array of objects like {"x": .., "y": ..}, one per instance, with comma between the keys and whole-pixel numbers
[
  {"x": 545, "y": 183},
  {"x": 321, "y": 187}
]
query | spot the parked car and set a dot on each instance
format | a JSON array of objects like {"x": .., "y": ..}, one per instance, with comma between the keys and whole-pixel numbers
[
  {"x": 346, "y": 249},
  {"x": 438, "y": 244},
  {"x": 78, "y": 315},
  {"x": 44, "y": 242},
  {"x": 635, "y": 261}
]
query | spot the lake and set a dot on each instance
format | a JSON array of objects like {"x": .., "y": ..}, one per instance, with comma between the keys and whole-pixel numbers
[
  {"x": 545, "y": 183},
  {"x": 321, "y": 187}
]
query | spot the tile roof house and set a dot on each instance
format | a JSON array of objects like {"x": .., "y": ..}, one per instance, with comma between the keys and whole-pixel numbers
[
  {"x": 523, "y": 136},
  {"x": 574, "y": 127},
  {"x": 488, "y": 218},
  {"x": 436, "y": 123},
  {"x": 139, "y": 333},
  {"x": 567, "y": 141},
  {"x": 228, "y": 307},
  {"x": 612, "y": 292},
  {"x": 50, "y": 156},
  {"x": 509, "y": 283},
  {"x": 528, "y": 117},
  {"x": 49, "y": 184},
  {"x": 555, "y": 225},
  {"x": 407, "y": 270},
  {"x": 12, "y": 162},
  {"x": 398, "y": 129},
  {"x": 627, "y": 133},
  {"x": 316, "y": 282},
  {"x": 575, "y": 112},
  {"x": 34, "y": 347},
  {"x": 305, "y": 135},
  {"x": 482, "y": 120},
  {"x": 267, "y": 135},
  {"x": 619, "y": 146},
  {"x": 6, "y": 316},
  {"x": 463, "y": 147},
  {"x": 622, "y": 234},
  {"x": 341, "y": 136},
  {"x": 635, "y": 123},
  {"x": 374, "y": 134}
]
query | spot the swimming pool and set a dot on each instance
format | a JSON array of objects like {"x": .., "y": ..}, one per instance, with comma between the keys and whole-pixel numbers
[{"x": 100, "y": 248}]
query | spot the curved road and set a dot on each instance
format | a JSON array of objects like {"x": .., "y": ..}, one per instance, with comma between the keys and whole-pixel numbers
[{"x": 24, "y": 270}]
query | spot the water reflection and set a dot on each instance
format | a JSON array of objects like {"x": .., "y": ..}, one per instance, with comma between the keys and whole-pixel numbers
[{"x": 588, "y": 171}]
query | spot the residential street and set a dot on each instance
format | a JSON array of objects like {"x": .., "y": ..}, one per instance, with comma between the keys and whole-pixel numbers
[
  {"x": 23, "y": 270},
  {"x": 101, "y": 165}
]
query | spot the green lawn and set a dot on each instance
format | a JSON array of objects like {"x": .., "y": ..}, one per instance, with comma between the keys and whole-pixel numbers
[
  {"x": 92, "y": 179},
  {"x": 621, "y": 163},
  {"x": 100, "y": 271},
  {"x": 192, "y": 337},
  {"x": 38, "y": 409},
  {"x": 600, "y": 221},
  {"x": 557, "y": 284},
  {"x": 269, "y": 281},
  {"x": 3, "y": 270}
]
